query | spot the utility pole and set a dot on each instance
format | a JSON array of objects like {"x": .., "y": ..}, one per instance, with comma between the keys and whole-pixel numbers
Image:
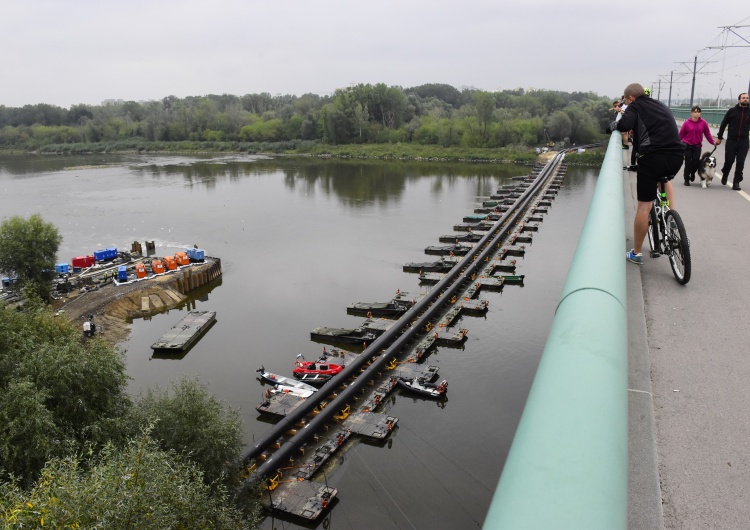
[
  {"x": 694, "y": 71},
  {"x": 692, "y": 88},
  {"x": 671, "y": 82},
  {"x": 669, "y": 104},
  {"x": 730, "y": 29}
]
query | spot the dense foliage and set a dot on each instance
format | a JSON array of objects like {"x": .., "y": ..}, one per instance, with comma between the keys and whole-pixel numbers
[
  {"x": 28, "y": 248},
  {"x": 138, "y": 486},
  {"x": 77, "y": 452},
  {"x": 57, "y": 394},
  {"x": 432, "y": 114},
  {"x": 193, "y": 423}
]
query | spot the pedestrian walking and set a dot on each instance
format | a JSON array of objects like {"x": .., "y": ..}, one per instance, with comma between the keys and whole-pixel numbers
[
  {"x": 737, "y": 123},
  {"x": 691, "y": 134}
]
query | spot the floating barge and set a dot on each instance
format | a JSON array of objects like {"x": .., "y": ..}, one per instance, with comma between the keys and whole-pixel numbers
[
  {"x": 443, "y": 265},
  {"x": 185, "y": 332},
  {"x": 392, "y": 309},
  {"x": 336, "y": 336}
]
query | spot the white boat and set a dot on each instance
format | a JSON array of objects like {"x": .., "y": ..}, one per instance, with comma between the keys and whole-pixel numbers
[
  {"x": 434, "y": 390},
  {"x": 284, "y": 389},
  {"x": 286, "y": 382}
]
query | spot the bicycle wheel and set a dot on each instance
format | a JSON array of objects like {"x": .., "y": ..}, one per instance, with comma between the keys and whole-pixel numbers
[
  {"x": 653, "y": 233},
  {"x": 678, "y": 247}
]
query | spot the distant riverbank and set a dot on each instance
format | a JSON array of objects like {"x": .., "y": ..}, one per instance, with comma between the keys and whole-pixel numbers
[{"x": 393, "y": 151}]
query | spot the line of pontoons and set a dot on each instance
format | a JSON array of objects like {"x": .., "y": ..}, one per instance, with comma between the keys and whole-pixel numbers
[{"x": 394, "y": 337}]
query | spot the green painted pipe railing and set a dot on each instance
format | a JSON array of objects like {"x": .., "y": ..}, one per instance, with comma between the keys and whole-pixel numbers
[
  {"x": 712, "y": 115},
  {"x": 567, "y": 467}
]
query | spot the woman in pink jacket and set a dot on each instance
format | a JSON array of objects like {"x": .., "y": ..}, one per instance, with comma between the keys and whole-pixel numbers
[{"x": 691, "y": 134}]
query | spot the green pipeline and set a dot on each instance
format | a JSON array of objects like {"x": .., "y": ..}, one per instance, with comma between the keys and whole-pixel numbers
[{"x": 567, "y": 466}]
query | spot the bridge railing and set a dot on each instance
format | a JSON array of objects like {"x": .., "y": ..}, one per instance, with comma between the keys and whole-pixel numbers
[
  {"x": 713, "y": 115},
  {"x": 567, "y": 466}
]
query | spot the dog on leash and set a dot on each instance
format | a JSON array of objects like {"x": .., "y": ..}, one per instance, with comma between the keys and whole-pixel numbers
[{"x": 707, "y": 169}]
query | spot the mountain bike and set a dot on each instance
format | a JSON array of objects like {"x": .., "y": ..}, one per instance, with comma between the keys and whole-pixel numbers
[{"x": 667, "y": 236}]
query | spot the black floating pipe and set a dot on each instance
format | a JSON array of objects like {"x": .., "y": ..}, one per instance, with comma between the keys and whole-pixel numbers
[{"x": 393, "y": 340}]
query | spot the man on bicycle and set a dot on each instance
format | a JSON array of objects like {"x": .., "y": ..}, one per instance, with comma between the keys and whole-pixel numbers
[{"x": 660, "y": 151}]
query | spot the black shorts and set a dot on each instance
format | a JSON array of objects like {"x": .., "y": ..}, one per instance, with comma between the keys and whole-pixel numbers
[{"x": 651, "y": 167}]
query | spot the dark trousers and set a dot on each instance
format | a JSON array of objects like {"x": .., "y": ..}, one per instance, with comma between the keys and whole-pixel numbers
[
  {"x": 735, "y": 149},
  {"x": 692, "y": 159}
]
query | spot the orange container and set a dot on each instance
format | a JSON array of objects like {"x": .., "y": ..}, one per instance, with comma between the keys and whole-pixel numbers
[
  {"x": 140, "y": 270},
  {"x": 157, "y": 267},
  {"x": 170, "y": 263},
  {"x": 182, "y": 258}
]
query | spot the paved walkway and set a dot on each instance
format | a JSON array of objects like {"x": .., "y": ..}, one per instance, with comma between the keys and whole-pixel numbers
[{"x": 689, "y": 381}]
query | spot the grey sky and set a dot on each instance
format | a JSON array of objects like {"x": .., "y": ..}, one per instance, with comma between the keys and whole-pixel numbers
[{"x": 85, "y": 51}]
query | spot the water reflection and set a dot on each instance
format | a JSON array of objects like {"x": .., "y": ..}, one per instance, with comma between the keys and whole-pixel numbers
[{"x": 356, "y": 183}]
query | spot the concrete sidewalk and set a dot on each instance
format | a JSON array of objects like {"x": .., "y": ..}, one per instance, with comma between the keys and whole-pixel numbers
[{"x": 689, "y": 368}]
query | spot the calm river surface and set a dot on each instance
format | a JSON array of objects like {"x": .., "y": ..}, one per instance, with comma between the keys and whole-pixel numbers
[{"x": 299, "y": 240}]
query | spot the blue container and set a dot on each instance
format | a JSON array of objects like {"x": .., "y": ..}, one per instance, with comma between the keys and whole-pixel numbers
[
  {"x": 122, "y": 273},
  {"x": 62, "y": 268},
  {"x": 196, "y": 254},
  {"x": 106, "y": 254},
  {"x": 6, "y": 281}
]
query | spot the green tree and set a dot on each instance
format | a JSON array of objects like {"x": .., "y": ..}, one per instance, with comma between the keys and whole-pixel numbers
[
  {"x": 139, "y": 486},
  {"x": 194, "y": 424},
  {"x": 484, "y": 103},
  {"x": 58, "y": 393},
  {"x": 559, "y": 126},
  {"x": 28, "y": 248}
]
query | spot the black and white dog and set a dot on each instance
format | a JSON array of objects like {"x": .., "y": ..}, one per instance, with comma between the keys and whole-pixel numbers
[{"x": 707, "y": 168}]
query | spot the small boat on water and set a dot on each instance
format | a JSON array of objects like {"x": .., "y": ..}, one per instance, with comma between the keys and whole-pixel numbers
[
  {"x": 423, "y": 388},
  {"x": 284, "y": 389},
  {"x": 280, "y": 380},
  {"x": 315, "y": 367},
  {"x": 313, "y": 379}
]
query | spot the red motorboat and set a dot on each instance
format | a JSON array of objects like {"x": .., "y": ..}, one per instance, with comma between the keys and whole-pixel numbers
[{"x": 315, "y": 367}]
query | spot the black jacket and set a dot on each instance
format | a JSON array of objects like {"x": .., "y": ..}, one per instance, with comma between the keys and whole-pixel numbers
[
  {"x": 738, "y": 120},
  {"x": 653, "y": 125}
]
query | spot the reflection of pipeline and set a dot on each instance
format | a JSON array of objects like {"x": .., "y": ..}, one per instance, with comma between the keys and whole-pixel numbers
[{"x": 392, "y": 340}]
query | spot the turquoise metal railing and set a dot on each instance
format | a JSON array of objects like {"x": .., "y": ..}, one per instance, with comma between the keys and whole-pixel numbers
[
  {"x": 712, "y": 115},
  {"x": 567, "y": 467}
]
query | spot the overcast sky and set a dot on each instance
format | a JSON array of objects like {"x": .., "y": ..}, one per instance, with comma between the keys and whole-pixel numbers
[{"x": 66, "y": 52}]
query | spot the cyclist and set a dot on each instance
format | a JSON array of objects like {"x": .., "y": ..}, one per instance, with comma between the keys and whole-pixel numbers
[{"x": 660, "y": 152}]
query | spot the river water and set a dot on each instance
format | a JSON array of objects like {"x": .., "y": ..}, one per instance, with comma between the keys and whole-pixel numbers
[{"x": 299, "y": 240}]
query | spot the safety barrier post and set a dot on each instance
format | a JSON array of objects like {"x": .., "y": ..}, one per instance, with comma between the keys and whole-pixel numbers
[{"x": 567, "y": 466}]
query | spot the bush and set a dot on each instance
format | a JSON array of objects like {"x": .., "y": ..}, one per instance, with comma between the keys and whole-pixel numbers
[
  {"x": 193, "y": 424},
  {"x": 61, "y": 393},
  {"x": 139, "y": 486}
]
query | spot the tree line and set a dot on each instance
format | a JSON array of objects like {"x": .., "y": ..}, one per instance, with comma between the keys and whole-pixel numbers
[{"x": 430, "y": 114}]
